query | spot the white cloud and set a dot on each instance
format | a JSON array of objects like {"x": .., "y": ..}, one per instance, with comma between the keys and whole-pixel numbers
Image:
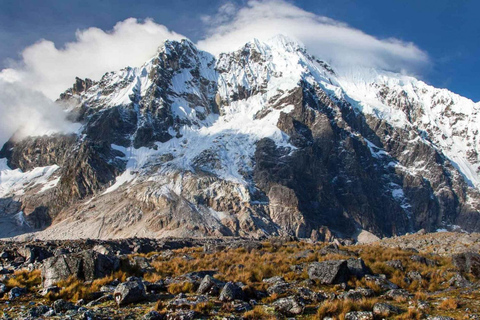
[
  {"x": 52, "y": 70},
  {"x": 25, "y": 112},
  {"x": 326, "y": 38}
]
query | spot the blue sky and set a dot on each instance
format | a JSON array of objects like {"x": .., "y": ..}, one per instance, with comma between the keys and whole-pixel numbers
[{"x": 448, "y": 31}]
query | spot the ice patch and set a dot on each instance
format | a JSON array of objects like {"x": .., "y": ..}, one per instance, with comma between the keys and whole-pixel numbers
[{"x": 15, "y": 182}]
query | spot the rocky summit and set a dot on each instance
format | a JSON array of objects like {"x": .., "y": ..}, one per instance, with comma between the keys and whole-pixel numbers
[{"x": 264, "y": 141}]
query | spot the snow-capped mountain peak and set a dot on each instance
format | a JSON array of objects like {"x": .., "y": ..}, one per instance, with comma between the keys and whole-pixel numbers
[{"x": 263, "y": 140}]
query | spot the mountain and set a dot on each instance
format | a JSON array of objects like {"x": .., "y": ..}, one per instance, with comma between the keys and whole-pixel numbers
[{"x": 266, "y": 140}]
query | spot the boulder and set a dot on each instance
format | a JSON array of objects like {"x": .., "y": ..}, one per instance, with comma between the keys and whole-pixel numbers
[
  {"x": 129, "y": 292},
  {"x": 208, "y": 286},
  {"x": 329, "y": 272},
  {"x": 358, "y": 268},
  {"x": 86, "y": 265},
  {"x": 468, "y": 262},
  {"x": 290, "y": 306},
  {"x": 231, "y": 292}
]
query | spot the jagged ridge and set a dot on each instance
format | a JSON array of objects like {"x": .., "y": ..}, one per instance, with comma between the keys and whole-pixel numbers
[{"x": 265, "y": 140}]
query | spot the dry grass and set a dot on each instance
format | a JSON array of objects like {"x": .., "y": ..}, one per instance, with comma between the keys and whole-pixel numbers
[
  {"x": 338, "y": 308},
  {"x": 73, "y": 289},
  {"x": 411, "y": 314},
  {"x": 181, "y": 287},
  {"x": 25, "y": 279},
  {"x": 204, "y": 307},
  {"x": 258, "y": 312},
  {"x": 449, "y": 304}
]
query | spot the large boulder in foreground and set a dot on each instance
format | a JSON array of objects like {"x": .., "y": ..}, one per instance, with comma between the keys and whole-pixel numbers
[
  {"x": 329, "y": 272},
  {"x": 86, "y": 265}
]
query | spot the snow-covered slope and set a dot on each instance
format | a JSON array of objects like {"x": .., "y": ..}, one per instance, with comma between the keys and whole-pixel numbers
[{"x": 260, "y": 141}]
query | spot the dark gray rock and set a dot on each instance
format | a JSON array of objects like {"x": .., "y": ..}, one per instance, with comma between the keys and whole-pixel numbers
[
  {"x": 414, "y": 276},
  {"x": 396, "y": 264},
  {"x": 290, "y": 306},
  {"x": 358, "y": 268},
  {"x": 359, "y": 315},
  {"x": 209, "y": 285},
  {"x": 382, "y": 282},
  {"x": 357, "y": 294},
  {"x": 468, "y": 262},
  {"x": 423, "y": 260},
  {"x": 153, "y": 315},
  {"x": 459, "y": 281},
  {"x": 61, "y": 305},
  {"x": 129, "y": 292},
  {"x": 398, "y": 294},
  {"x": 385, "y": 310},
  {"x": 231, "y": 292},
  {"x": 182, "y": 315},
  {"x": 87, "y": 265},
  {"x": 329, "y": 272},
  {"x": 3, "y": 289},
  {"x": 16, "y": 292}
]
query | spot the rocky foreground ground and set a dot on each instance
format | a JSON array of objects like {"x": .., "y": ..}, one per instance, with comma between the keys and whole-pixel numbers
[{"x": 432, "y": 276}]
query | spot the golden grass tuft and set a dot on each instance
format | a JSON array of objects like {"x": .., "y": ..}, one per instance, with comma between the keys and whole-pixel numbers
[
  {"x": 338, "y": 308},
  {"x": 258, "y": 312},
  {"x": 449, "y": 304},
  {"x": 25, "y": 279},
  {"x": 181, "y": 287}
]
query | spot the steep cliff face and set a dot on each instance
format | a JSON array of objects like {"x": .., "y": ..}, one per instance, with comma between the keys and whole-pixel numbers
[{"x": 262, "y": 141}]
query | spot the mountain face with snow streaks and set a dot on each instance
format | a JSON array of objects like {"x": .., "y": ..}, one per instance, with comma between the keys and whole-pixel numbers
[{"x": 266, "y": 140}]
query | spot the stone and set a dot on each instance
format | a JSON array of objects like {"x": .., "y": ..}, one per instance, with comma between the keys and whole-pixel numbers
[
  {"x": 459, "y": 281},
  {"x": 382, "y": 282},
  {"x": 397, "y": 294},
  {"x": 182, "y": 315},
  {"x": 51, "y": 289},
  {"x": 467, "y": 262},
  {"x": 16, "y": 292},
  {"x": 423, "y": 260},
  {"x": 3, "y": 289},
  {"x": 329, "y": 272},
  {"x": 385, "y": 310},
  {"x": 290, "y": 306},
  {"x": 129, "y": 292},
  {"x": 153, "y": 315},
  {"x": 357, "y": 294},
  {"x": 231, "y": 292},
  {"x": 208, "y": 286},
  {"x": 414, "y": 276},
  {"x": 61, "y": 305},
  {"x": 278, "y": 288},
  {"x": 358, "y": 268},
  {"x": 359, "y": 315},
  {"x": 87, "y": 265},
  {"x": 396, "y": 264}
]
